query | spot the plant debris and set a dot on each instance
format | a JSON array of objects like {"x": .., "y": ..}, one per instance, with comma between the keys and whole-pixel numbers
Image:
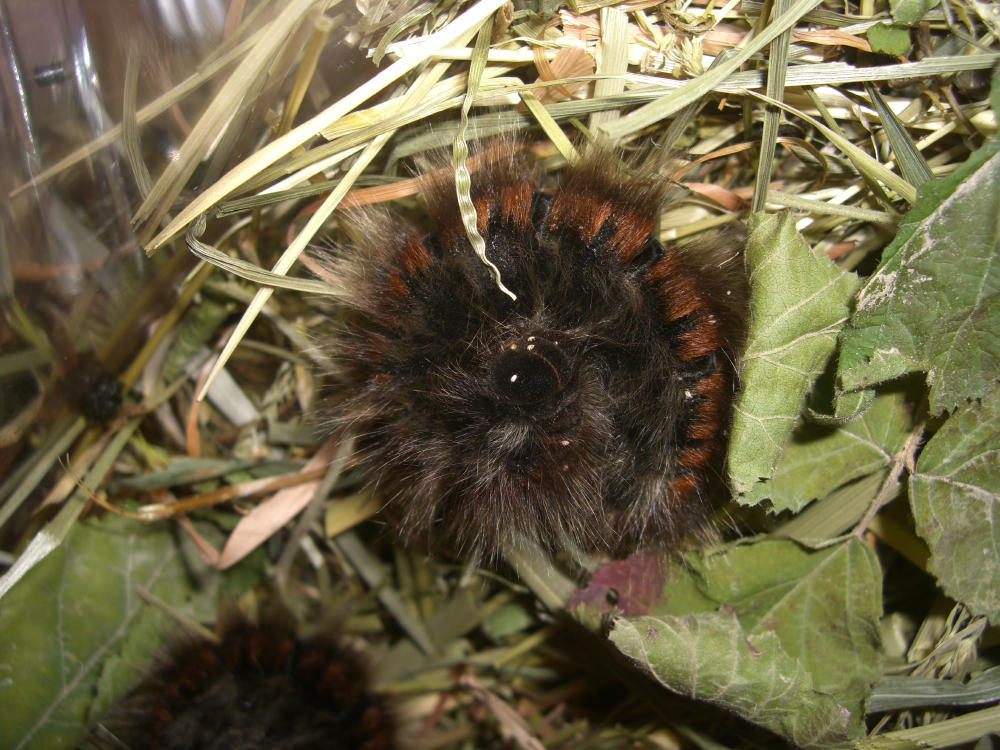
[{"x": 851, "y": 598}]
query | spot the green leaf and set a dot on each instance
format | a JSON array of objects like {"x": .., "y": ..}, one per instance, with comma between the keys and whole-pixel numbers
[
  {"x": 76, "y": 634},
  {"x": 819, "y": 459},
  {"x": 710, "y": 657},
  {"x": 955, "y": 495},
  {"x": 736, "y": 622},
  {"x": 799, "y": 300},
  {"x": 909, "y": 12},
  {"x": 824, "y": 605},
  {"x": 850, "y": 406},
  {"x": 837, "y": 512},
  {"x": 511, "y": 619},
  {"x": 933, "y": 305},
  {"x": 889, "y": 39}
]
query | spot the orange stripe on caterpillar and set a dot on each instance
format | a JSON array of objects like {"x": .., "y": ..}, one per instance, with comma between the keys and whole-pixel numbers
[
  {"x": 483, "y": 205},
  {"x": 414, "y": 256},
  {"x": 705, "y": 425},
  {"x": 583, "y": 213},
  {"x": 396, "y": 287},
  {"x": 634, "y": 230},
  {"x": 677, "y": 290},
  {"x": 695, "y": 458},
  {"x": 515, "y": 202},
  {"x": 701, "y": 340}
]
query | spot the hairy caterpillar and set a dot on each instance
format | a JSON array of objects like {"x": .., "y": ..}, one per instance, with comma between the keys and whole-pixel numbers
[
  {"x": 592, "y": 411},
  {"x": 260, "y": 686}
]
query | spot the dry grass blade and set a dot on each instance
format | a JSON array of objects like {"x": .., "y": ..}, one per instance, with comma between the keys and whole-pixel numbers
[
  {"x": 460, "y": 153},
  {"x": 537, "y": 571},
  {"x": 281, "y": 146},
  {"x": 549, "y": 126},
  {"x": 856, "y": 213},
  {"x": 694, "y": 90},
  {"x": 372, "y": 572},
  {"x": 450, "y": 93},
  {"x": 613, "y": 62},
  {"x": 319, "y": 218},
  {"x": 348, "y": 512},
  {"x": 249, "y": 271},
  {"x": 303, "y": 76},
  {"x": 948, "y": 733},
  {"x": 166, "y": 324},
  {"x": 269, "y": 516},
  {"x": 130, "y": 126},
  {"x": 303, "y": 482},
  {"x": 680, "y": 121},
  {"x": 219, "y": 115},
  {"x": 404, "y": 22},
  {"x": 813, "y": 74},
  {"x": 865, "y": 163},
  {"x": 21, "y": 484},
  {"x": 507, "y": 716},
  {"x": 911, "y": 161},
  {"x": 777, "y": 69},
  {"x": 147, "y": 113},
  {"x": 289, "y": 257}
]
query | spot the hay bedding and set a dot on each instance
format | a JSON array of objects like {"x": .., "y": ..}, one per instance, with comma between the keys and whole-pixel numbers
[{"x": 858, "y": 144}]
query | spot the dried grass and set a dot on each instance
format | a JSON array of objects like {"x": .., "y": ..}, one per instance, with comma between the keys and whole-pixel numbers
[{"x": 843, "y": 137}]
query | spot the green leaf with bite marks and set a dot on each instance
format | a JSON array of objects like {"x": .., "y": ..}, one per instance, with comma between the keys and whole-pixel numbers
[
  {"x": 799, "y": 301},
  {"x": 933, "y": 305},
  {"x": 955, "y": 496},
  {"x": 785, "y": 636}
]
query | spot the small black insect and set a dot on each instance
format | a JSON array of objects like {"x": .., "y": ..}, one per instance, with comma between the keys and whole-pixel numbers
[
  {"x": 260, "y": 686},
  {"x": 593, "y": 410}
]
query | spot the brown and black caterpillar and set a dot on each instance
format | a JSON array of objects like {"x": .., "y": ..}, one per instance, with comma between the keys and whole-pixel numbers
[
  {"x": 592, "y": 411},
  {"x": 259, "y": 686}
]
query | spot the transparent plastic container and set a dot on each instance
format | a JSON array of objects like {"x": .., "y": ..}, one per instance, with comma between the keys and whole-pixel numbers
[
  {"x": 70, "y": 262},
  {"x": 64, "y": 78}
]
